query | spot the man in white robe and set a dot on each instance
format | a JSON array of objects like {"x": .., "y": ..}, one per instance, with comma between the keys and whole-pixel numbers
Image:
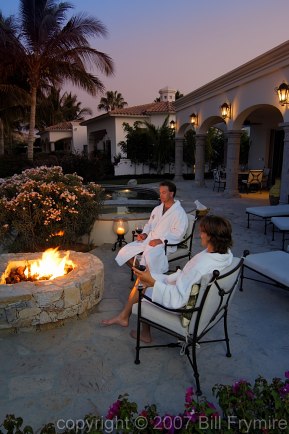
[{"x": 168, "y": 221}]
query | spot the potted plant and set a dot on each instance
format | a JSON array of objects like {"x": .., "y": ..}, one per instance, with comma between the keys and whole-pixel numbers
[{"x": 274, "y": 192}]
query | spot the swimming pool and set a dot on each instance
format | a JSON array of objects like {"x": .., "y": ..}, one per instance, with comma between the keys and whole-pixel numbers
[{"x": 132, "y": 202}]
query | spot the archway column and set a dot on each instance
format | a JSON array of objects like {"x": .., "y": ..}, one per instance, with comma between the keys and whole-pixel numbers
[
  {"x": 232, "y": 165},
  {"x": 178, "y": 159},
  {"x": 200, "y": 160},
  {"x": 284, "y": 193},
  {"x": 52, "y": 146}
]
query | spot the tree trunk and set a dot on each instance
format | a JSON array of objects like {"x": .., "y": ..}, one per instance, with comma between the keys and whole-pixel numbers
[
  {"x": 1, "y": 137},
  {"x": 31, "y": 137}
]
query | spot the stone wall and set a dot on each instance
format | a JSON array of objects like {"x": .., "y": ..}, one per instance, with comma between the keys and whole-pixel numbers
[{"x": 30, "y": 304}]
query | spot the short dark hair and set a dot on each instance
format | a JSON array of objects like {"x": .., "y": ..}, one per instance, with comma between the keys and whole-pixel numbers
[
  {"x": 171, "y": 186},
  {"x": 219, "y": 230}
]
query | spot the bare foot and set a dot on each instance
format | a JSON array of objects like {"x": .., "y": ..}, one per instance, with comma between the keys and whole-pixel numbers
[
  {"x": 115, "y": 320},
  {"x": 146, "y": 338}
]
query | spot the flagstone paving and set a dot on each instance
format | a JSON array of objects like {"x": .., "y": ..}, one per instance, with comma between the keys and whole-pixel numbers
[{"x": 67, "y": 372}]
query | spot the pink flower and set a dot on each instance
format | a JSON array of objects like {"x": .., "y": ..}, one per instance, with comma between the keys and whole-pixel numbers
[
  {"x": 113, "y": 410},
  {"x": 189, "y": 395},
  {"x": 191, "y": 415},
  {"x": 236, "y": 386}
]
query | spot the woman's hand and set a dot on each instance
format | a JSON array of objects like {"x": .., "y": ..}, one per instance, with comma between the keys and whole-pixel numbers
[
  {"x": 155, "y": 242},
  {"x": 144, "y": 276}
]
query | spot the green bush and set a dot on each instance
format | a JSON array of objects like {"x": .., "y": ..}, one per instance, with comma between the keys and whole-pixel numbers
[
  {"x": 43, "y": 207},
  {"x": 11, "y": 164}
]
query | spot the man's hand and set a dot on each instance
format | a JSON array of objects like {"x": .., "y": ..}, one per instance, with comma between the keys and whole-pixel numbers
[
  {"x": 144, "y": 276},
  {"x": 156, "y": 242},
  {"x": 141, "y": 237}
]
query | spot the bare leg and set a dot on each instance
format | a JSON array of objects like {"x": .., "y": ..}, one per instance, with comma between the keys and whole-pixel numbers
[
  {"x": 145, "y": 335},
  {"x": 122, "y": 318}
]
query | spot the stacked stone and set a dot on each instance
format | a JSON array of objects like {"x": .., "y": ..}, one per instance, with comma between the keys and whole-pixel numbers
[{"x": 32, "y": 304}]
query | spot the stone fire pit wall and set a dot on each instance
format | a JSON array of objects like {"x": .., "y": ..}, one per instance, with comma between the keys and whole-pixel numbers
[{"x": 29, "y": 304}]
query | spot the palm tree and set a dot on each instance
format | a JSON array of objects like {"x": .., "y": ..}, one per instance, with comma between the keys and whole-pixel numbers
[
  {"x": 178, "y": 94},
  {"x": 72, "y": 109},
  {"x": 51, "y": 50},
  {"x": 56, "y": 108},
  {"x": 113, "y": 100},
  {"x": 162, "y": 139},
  {"x": 13, "y": 88}
]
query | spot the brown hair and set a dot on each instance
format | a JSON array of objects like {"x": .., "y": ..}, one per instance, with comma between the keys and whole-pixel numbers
[
  {"x": 220, "y": 232},
  {"x": 171, "y": 186}
]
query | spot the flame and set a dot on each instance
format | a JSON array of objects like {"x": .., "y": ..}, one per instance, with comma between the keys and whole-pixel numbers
[
  {"x": 50, "y": 266},
  {"x": 57, "y": 234}
]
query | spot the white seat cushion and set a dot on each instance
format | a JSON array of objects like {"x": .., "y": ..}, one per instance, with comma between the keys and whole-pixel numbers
[
  {"x": 281, "y": 223},
  {"x": 269, "y": 211},
  {"x": 275, "y": 265},
  {"x": 170, "y": 320},
  {"x": 179, "y": 252}
]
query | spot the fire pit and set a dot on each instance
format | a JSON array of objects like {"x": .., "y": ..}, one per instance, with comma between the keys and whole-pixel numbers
[{"x": 35, "y": 303}]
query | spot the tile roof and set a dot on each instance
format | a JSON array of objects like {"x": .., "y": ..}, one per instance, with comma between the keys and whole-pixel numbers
[
  {"x": 60, "y": 127},
  {"x": 145, "y": 109}
]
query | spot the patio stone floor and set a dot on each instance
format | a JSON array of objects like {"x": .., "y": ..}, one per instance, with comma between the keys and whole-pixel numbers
[{"x": 82, "y": 367}]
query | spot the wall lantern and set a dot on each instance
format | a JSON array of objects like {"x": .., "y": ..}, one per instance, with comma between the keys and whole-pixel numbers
[
  {"x": 226, "y": 111},
  {"x": 172, "y": 125},
  {"x": 283, "y": 93},
  {"x": 194, "y": 119},
  {"x": 120, "y": 228}
]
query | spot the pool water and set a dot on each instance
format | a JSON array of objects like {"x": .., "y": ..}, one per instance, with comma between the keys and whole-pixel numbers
[{"x": 129, "y": 200}]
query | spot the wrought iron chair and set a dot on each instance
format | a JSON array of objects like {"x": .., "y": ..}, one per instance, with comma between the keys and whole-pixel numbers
[
  {"x": 184, "y": 247},
  {"x": 211, "y": 307},
  {"x": 219, "y": 179},
  {"x": 254, "y": 180}
]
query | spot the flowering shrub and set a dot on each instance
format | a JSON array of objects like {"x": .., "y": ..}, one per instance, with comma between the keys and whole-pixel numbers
[
  {"x": 258, "y": 408},
  {"x": 261, "y": 408},
  {"x": 42, "y": 207}
]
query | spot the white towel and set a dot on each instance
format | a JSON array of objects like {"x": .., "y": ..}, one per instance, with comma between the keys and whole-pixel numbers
[{"x": 200, "y": 206}]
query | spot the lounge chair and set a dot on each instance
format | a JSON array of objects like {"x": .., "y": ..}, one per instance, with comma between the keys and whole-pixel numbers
[
  {"x": 271, "y": 266},
  {"x": 266, "y": 213},
  {"x": 282, "y": 224}
]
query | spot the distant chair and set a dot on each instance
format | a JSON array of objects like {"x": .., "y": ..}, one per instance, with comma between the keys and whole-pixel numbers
[
  {"x": 254, "y": 180},
  {"x": 219, "y": 179}
]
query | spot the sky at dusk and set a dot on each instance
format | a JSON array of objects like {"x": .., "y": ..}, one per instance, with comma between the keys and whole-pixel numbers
[{"x": 183, "y": 45}]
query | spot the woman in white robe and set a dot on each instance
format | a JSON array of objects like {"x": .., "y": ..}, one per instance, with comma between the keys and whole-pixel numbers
[
  {"x": 168, "y": 221},
  {"x": 173, "y": 290}
]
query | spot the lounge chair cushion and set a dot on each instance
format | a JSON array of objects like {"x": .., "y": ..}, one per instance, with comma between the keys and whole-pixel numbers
[
  {"x": 275, "y": 265},
  {"x": 269, "y": 211}
]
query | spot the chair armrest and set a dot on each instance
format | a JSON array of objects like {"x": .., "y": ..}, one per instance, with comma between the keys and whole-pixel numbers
[
  {"x": 133, "y": 235},
  {"x": 167, "y": 244}
]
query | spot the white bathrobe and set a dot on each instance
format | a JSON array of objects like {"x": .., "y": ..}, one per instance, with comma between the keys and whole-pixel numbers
[
  {"x": 170, "y": 226},
  {"x": 173, "y": 290}
]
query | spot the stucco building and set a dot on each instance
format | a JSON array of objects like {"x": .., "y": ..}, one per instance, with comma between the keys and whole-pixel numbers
[
  {"x": 105, "y": 132},
  {"x": 65, "y": 136},
  {"x": 250, "y": 93}
]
